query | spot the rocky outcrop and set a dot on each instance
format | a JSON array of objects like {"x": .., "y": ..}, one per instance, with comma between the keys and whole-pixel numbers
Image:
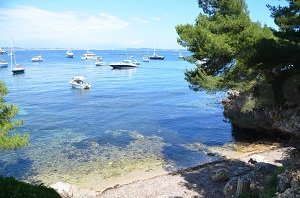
[{"x": 243, "y": 112}]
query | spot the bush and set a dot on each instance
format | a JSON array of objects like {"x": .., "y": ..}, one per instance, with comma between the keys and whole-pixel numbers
[{"x": 12, "y": 188}]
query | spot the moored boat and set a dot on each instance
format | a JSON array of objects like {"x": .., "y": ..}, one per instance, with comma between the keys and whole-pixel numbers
[
  {"x": 79, "y": 82},
  {"x": 69, "y": 54},
  {"x": 90, "y": 56},
  {"x": 125, "y": 64},
  {"x": 17, "y": 68},
  {"x": 3, "y": 63},
  {"x": 37, "y": 59}
]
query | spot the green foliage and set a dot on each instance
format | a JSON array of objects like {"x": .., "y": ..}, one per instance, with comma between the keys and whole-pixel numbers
[
  {"x": 11, "y": 188},
  {"x": 7, "y": 124},
  {"x": 242, "y": 54}
]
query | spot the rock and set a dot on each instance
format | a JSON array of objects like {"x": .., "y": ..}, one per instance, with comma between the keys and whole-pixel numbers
[
  {"x": 264, "y": 167},
  {"x": 230, "y": 187},
  {"x": 64, "y": 189},
  {"x": 220, "y": 175},
  {"x": 241, "y": 171},
  {"x": 283, "y": 183},
  {"x": 67, "y": 190},
  {"x": 289, "y": 193}
]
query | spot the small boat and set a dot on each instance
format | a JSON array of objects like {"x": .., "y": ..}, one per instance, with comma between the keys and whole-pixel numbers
[
  {"x": 99, "y": 63},
  {"x": 201, "y": 62},
  {"x": 2, "y": 51},
  {"x": 180, "y": 55},
  {"x": 125, "y": 64},
  {"x": 155, "y": 56},
  {"x": 69, "y": 54},
  {"x": 3, "y": 63},
  {"x": 37, "y": 59},
  {"x": 146, "y": 59},
  {"x": 17, "y": 69},
  {"x": 79, "y": 82},
  {"x": 90, "y": 56}
]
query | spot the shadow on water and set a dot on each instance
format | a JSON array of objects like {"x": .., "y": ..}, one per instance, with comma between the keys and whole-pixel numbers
[
  {"x": 251, "y": 136},
  {"x": 20, "y": 169}
]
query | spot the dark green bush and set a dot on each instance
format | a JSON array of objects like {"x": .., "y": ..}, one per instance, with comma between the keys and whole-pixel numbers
[{"x": 12, "y": 188}]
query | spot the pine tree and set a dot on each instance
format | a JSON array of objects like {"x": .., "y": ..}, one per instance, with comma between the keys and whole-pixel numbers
[{"x": 7, "y": 124}]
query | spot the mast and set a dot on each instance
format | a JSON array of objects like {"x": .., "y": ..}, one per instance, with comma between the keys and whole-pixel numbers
[{"x": 11, "y": 52}]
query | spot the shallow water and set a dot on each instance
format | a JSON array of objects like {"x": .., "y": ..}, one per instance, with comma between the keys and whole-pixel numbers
[{"x": 135, "y": 119}]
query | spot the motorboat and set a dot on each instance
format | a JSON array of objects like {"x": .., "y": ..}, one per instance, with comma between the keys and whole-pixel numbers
[
  {"x": 2, "y": 51},
  {"x": 201, "y": 62},
  {"x": 69, "y": 54},
  {"x": 180, "y": 55},
  {"x": 3, "y": 63},
  {"x": 146, "y": 59},
  {"x": 37, "y": 59},
  {"x": 99, "y": 63},
  {"x": 125, "y": 64},
  {"x": 79, "y": 82},
  {"x": 17, "y": 68},
  {"x": 155, "y": 56},
  {"x": 90, "y": 56}
]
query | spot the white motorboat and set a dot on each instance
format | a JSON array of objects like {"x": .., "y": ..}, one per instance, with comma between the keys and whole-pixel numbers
[
  {"x": 79, "y": 82},
  {"x": 17, "y": 68},
  {"x": 125, "y": 64},
  {"x": 146, "y": 59},
  {"x": 69, "y": 54},
  {"x": 100, "y": 63},
  {"x": 180, "y": 55},
  {"x": 90, "y": 56},
  {"x": 37, "y": 59},
  {"x": 2, "y": 51},
  {"x": 3, "y": 63},
  {"x": 201, "y": 62}
]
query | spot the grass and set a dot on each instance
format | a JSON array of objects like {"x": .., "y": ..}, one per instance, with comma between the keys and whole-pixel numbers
[{"x": 12, "y": 188}]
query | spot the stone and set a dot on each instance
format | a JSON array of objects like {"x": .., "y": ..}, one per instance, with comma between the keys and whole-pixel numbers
[
  {"x": 220, "y": 175},
  {"x": 241, "y": 171},
  {"x": 264, "y": 167},
  {"x": 64, "y": 189},
  {"x": 283, "y": 183},
  {"x": 230, "y": 186}
]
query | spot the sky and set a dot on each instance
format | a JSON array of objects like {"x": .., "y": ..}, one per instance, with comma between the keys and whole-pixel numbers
[{"x": 104, "y": 24}]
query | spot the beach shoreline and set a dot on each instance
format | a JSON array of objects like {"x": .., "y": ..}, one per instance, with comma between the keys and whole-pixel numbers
[{"x": 159, "y": 182}]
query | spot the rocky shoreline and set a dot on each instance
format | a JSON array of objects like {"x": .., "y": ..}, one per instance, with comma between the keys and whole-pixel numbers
[
  {"x": 241, "y": 111},
  {"x": 214, "y": 179}
]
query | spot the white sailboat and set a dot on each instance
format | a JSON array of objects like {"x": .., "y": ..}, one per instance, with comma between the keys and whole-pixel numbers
[
  {"x": 155, "y": 56},
  {"x": 17, "y": 68}
]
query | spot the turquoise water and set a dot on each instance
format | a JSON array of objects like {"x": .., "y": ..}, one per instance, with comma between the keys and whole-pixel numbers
[{"x": 147, "y": 114}]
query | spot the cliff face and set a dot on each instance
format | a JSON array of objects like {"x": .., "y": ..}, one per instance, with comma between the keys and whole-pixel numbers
[{"x": 285, "y": 118}]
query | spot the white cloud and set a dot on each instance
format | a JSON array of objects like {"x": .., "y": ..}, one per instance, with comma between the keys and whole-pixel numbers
[
  {"x": 31, "y": 24},
  {"x": 156, "y": 18}
]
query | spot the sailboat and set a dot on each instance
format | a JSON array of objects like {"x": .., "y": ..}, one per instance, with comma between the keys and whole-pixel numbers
[
  {"x": 155, "y": 56},
  {"x": 17, "y": 69}
]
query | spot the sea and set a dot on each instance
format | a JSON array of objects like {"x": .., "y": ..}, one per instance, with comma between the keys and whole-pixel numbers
[{"x": 130, "y": 119}]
